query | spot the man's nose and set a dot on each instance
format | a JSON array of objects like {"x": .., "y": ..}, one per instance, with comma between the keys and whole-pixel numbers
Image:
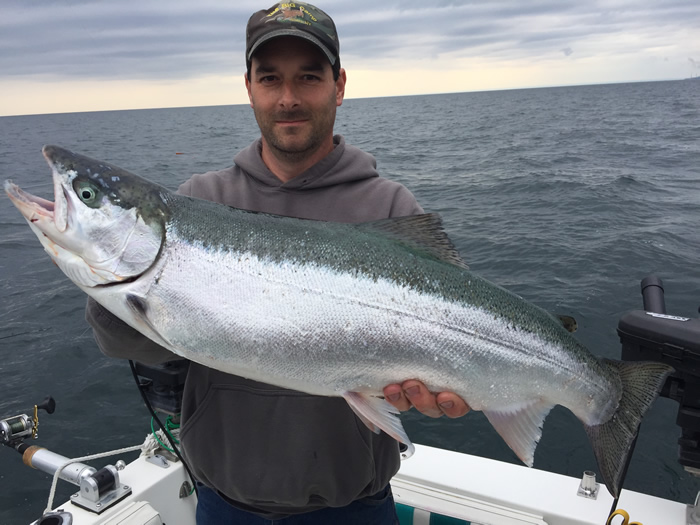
[{"x": 289, "y": 96}]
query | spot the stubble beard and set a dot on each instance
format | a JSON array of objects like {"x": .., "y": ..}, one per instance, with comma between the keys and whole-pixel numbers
[{"x": 290, "y": 144}]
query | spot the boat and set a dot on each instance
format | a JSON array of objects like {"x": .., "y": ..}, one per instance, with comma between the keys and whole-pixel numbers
[
  {"x": 433, "y": 487},
  {"x": 437, "y": 487}
]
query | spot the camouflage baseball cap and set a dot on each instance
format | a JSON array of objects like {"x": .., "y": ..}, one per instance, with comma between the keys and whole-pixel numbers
[{"x": 293, "y": 19}]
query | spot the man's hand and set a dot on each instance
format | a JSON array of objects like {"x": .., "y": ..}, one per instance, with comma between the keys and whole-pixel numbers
[{"x": 413, "y": 393}]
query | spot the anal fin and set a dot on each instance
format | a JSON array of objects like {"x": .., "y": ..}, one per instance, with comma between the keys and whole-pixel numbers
[
  {"x": 520, "y": 427},
  {"x": 376, "y": 413}
]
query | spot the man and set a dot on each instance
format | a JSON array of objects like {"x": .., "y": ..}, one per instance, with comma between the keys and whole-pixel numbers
[{"x": 262, "y": 453}]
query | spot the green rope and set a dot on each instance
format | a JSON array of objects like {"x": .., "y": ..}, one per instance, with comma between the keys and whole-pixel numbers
[{"x": 169, "y": 425}]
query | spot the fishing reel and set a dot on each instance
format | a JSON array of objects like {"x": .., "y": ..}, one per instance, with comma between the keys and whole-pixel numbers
[
  {"x": 14, "y": 430},
  {"x": 653, "y": 335},
  {"x": 99, "y": 489}
]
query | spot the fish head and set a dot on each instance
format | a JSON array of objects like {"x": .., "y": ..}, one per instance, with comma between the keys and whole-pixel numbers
[{"x": 105, "y": 226}]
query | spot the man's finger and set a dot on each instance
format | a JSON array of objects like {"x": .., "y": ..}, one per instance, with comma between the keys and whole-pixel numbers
[
  {"x": 451, "y": 404},
  {"x": 421, "y": 398},
  {"x": 394, "y": 395}
]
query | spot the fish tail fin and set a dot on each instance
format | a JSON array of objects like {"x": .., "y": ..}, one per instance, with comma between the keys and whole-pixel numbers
[{"x": 612, "y": 441}]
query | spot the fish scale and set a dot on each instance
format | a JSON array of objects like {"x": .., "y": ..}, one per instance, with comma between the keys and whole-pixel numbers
[{"x": 330, "y": 309}]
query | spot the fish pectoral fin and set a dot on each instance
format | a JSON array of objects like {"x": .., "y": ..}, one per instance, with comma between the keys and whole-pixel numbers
[
  {"x": 377, "y": 413},
  {"x": 520, "y": 427},
  {"x": 139, "y": 308}
]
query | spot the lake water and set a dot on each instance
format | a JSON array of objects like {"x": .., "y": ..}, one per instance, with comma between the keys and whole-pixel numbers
[{"x": 566, "y": 196}]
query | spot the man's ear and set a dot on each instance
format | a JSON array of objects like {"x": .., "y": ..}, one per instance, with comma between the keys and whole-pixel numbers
[
  {"x": 247, "y": 86},
  {"x": 340, "y": 87}
]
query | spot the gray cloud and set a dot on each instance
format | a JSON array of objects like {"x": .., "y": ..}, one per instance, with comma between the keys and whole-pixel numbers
[
  {"x": 509, "y": 29},
  {"x": 122, "y": 40},
  {"x": 180, "y": 39}
]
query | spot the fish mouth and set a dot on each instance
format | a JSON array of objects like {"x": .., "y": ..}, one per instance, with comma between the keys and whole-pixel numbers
[
  {"x": 31, "y": 206},
  {"x": 37, "y": 210}
]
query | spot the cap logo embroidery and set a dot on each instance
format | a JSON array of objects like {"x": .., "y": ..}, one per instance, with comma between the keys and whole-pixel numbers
[{"x": 289, "y": 14}]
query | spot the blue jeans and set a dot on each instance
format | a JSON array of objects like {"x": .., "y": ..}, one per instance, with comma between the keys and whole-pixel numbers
[{"x": 212, "y": 509}]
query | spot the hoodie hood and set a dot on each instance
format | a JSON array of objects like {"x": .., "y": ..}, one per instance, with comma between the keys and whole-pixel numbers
[{"x": 344, "y": 164}]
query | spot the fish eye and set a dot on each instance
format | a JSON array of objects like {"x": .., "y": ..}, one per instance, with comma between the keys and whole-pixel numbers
[{"x": 87, "y": 194}]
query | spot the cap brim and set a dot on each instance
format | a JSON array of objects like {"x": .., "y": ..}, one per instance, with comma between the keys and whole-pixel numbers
[{"x": 295, "y": 33}]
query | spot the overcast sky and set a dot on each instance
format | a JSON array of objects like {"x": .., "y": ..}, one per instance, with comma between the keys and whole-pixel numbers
[{"x": 81, "y": 55}]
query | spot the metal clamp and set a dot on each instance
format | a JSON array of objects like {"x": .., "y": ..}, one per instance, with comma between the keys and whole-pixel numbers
[{"x": 101, "y": 490}]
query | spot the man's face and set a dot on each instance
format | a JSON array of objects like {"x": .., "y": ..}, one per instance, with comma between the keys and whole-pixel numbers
[{"x": 294, "y": 97}]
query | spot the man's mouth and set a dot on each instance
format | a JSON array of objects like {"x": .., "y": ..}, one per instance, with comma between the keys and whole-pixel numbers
[
  {"x": 291, "y": 118},
  {"x": 291, "y": 122}
]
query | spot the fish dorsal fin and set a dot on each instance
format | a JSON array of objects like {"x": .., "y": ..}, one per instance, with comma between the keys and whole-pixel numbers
[
  {"x": 422, "y": 233},
  {"x": 520, "y": 427}
]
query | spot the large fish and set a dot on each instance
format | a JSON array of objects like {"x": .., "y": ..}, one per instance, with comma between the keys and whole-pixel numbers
[{"x": 330, "y": 309}]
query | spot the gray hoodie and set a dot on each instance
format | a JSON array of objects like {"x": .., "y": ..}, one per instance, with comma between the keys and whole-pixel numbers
[{"x": 266, "y": 449}]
